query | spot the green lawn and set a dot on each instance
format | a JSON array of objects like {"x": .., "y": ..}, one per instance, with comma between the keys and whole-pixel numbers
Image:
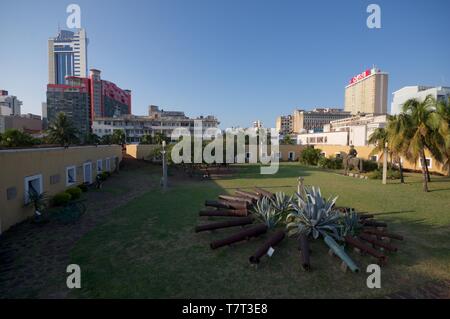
[{"x": 148, "y": 248}]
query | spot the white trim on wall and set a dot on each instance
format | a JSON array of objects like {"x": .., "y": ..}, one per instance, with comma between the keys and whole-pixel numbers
[
  {"x": 27, "y": 179},
  {"x": 68, "y": 168},
  {"x": 84, "y": 173},
  {"x": 99, "y": 161}
]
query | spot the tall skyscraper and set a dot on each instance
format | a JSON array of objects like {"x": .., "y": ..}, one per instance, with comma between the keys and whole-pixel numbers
[
  {"x": 367, "y": 93},
  {"x": 67, "y": 56}
]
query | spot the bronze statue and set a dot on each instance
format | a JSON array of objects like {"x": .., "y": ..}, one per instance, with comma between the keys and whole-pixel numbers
[{"x": 350, "y": 161}]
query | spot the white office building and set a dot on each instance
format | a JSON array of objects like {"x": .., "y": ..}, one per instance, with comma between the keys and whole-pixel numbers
[
  {"x": 67, "y": 56},
  {"x": 9, "y": 104},
  {"x": 419, "y": 92}
]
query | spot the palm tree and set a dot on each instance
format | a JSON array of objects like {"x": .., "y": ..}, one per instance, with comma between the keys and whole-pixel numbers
[
  {"x": 61, "y": 131},
  {"x": 443, "y": 109},
  {"x": 158, "y": 138},
  {"x": 380, "y": 139},
  {"x": 118, "y": 137},
  {"x": 398, "y": 132},
  {"x": 423, "y": 133}
]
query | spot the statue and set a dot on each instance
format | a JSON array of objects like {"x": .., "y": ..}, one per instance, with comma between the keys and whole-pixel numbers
[{"x": 351, "y": 161}]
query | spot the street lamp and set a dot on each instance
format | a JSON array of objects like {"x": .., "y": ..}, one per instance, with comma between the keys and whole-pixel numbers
[{"x": 164, "y": 165}]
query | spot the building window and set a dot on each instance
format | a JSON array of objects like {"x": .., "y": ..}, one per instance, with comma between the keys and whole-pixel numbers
[
  {"x": 108, "y": 164},
  {"x": 374, "y": 158},
  {"x": 71, "y": 175},
  {"x": 337, "y": 154},
  {"x": 33, "y": 184},
  {"x": 87, "y": 173},
  {"x": 291, "y": 156},
  {"x": 429, "y": 162},
  {"x": 99, "y": 166}
]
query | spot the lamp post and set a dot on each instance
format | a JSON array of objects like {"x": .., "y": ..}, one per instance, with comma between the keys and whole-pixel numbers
[{"x": 164, "y": 165}]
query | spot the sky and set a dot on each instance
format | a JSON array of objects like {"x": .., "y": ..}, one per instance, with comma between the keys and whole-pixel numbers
[{"x": 240, "y": 60}]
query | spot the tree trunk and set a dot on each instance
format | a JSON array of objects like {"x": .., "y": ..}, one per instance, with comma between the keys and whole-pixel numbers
[
  {"x": 426, "y": 168},
  {"x": 400, "y": 167},
  {"x": 424, "y": 171}
]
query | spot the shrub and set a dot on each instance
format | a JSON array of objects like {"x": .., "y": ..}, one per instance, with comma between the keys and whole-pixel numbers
[
  {"x": 83, "y": 187},
  {"x": 330, "y": 163},
  {"x": 370, "y": 166},
  {"x": 75, "y": 192},
  {"x": 391, "y": 174},
  {"x": 61, "y": 199},
  {"x": 104, "y": 176},
  {"x": 310, "y": 156}
]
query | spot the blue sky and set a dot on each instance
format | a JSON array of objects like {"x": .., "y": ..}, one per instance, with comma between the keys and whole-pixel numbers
[{"x": 239, "y": 60}]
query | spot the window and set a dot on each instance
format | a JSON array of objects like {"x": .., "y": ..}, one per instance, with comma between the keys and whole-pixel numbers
[
  {"x": 428, "y": 161},
  {"x": 99, "y": 166},
  {"x": 87, "y": 172},
  {"x": 108, "y": 164},
  {"x": 247, "y": 155},
  {"x": 33, "y": 184},
  {"x": 338, "y": 155},
  {"x": 71, "y": 175},
  {"x": 291, "y": 156},
  {"x": 374, "y": 158}
]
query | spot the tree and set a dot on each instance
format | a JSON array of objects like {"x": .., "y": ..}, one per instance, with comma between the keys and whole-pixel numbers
[
  {"x": 310, "y": 156},
  {"x": 159, "y": 137},
  {"x": 106, "y": 139},
  {"x": 397, "y": 130},
  {"x": 424, "y": 133},
  {"x": 147, "y": 139},
  {"x": 287, "y": 140},
  {"x": 118, "y": 137},
  {"x": 91, "y": 138},
  {"x": 16, "y": 138},
  {"x": 443, "y": 109},
  {"x": 62, "y": 131}
]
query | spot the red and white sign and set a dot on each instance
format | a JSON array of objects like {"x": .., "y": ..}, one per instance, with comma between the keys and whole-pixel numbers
[{"x": 361, "y": 76}]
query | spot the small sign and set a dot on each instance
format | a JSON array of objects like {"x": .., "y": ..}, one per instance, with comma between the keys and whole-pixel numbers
[{"x": 270, "y": 252}]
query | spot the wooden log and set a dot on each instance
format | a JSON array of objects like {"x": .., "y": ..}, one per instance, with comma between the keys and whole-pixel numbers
[
  {"x": 305, "y": 251},
  {"x": 263, "y": 192},
  {"x": 373, "y": 241},
  {"x": 242, "y": 235},
  {"x": 236, "y": 199},
  {"x": 379, "y": 233},
  {"x": 247, "y": 194},
  {"x": 225, "y": 204},
  {"x": 224, "y": 213},
  {"x": 274, "y": 240},
  {"x": 373, "y": 223},
  {"x": 354, "y": 242},
  {"x": 225, "y": 224}
]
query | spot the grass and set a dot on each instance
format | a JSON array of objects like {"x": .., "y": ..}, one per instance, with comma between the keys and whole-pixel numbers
[{"x": 148, "y": 248}]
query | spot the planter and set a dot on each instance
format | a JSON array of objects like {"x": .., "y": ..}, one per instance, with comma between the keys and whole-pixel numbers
[
  {"x": 354, "y": 242},
  {"x": 242, "y": 235},
  {"x": 274, "y": 240},
  {"x": 339, "y": 251},
  {"x": 304, "y": 252},
  {"x": 224, "y": 213},
  {"x": 225, "y": 224}
]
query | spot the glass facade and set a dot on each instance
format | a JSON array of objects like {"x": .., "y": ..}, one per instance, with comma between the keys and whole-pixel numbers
[{"x": 64, "y": 66}]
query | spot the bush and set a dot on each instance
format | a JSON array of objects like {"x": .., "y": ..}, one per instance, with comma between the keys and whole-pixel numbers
[
  {"x": 370, "y": 166},
  {"x": 83, "y": 187},
  {"x": 75, "y": 192},
  {"x": 330, "y": 163},
  {"x": 104, "y": 176},
  {"x": 391, "y": 174},
  {"x": 310, "y": 156},
  {"x": 61, "y": 199}
]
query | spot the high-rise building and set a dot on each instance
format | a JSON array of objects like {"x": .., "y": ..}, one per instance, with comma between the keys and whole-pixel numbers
[
  {"x": 284, "y": 125},
  {"x": 305, "y": 121},
  {"x": 367, "y": 93},
  {"x": 67, "y": 56},
  {"x": 83, "y": 99},
  {"x": 419, "y": 92},
  {"x": 9, "y": 104},
  {"x": 257, "y": 124}
]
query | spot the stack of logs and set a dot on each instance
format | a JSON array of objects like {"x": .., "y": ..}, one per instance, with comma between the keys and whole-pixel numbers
[
  {"x": 373, "y": 239},
  {"x": 239, "y": 206}
]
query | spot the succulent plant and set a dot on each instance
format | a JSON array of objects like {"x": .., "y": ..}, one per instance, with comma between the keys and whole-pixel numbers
[
  {"x": 267, "y": 213},
  {"x": 282, "y": 203},
  {"x": 313, "y": 214},
  {"x": 350, "y": 224}
]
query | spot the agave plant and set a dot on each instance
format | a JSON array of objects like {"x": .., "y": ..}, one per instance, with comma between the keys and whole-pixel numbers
[
  {"x": 350, "y": 224},
  {"x": 314, "y": 215},
  {"x": 267, "y": 213},
  {"x": 282, "y": 203}
]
